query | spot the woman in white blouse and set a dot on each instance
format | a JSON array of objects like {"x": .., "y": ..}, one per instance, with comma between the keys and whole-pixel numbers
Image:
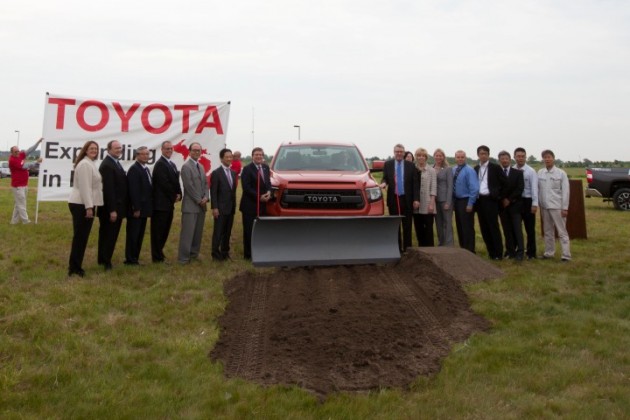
[
  {"x": 424, "y": 215},
  {"x": 86, "y": 195}
]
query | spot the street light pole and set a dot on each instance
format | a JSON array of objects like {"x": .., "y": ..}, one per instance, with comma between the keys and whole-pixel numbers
[
  {"x": 18, "y": 140},
  {"x": 298, "y": 127}
]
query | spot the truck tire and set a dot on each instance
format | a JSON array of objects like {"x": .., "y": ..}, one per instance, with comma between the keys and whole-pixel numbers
[{"x": 621, "y": 199}]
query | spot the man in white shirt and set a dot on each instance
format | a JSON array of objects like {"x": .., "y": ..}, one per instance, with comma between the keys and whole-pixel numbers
[
  {"x": 553, "y": 197},
  {"x": 491, "y": 185},
  {"x": 530, "y": 200}
]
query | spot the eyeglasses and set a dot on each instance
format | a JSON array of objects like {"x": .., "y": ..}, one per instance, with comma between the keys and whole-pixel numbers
[{"x": 195, "y": 150}]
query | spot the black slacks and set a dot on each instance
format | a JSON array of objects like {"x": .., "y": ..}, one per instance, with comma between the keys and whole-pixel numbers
[
  {"x": 511, "y": 223},
  {"x": 404, "y": 208},
  {"x": 81, "y": 226},
  {"x": 136, "y": 227},
  {"x": 465, "y": 222},
  {"x": 161, "y": 222},
  {"x": 424, "y": 229},
  {"x": 248, "y": 227},
  {"x": 488, "y": 214},
  {"x": 529, "y": 221},
  {"x": 221, "y": 236},
  {"x": 107, "y": 236}
]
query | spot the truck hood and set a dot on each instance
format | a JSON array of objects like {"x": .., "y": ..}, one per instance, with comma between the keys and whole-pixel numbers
[{"x": 321, "y": 177}]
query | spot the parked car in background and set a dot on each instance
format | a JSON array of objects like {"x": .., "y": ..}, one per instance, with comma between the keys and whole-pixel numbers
[
  {"x": 33, "y": 168},
  {"x": 611, "y": 184},
  {"x": 5, "y": 172}
]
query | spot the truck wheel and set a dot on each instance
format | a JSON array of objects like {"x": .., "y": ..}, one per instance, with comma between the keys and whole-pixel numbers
[{"x": 621, "y": 199}]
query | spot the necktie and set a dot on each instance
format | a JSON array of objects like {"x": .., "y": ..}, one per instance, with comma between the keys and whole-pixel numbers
[
  {"x": 229, "y": 176},
  {"x": 400, "y": 187},
  {"x": 456, "y": 174},
  {"x": 505, "y": 171},
  {"x": 173, "y": 166},
  {"x": 148, "y": 174},
  {"x": 199, "y": 168}
]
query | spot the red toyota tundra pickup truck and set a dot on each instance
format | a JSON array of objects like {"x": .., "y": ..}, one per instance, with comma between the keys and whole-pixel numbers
[{"x": 322, "y": 179}]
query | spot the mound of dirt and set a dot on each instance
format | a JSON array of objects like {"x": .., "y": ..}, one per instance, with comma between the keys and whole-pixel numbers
[{"x": 350, "y": 328}]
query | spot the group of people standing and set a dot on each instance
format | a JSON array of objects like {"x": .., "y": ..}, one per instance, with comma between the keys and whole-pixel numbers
[
  {"x": 501, "y": 194},
  {"x": 424, "y": 195},
  {"x": 113, "y": 194}
]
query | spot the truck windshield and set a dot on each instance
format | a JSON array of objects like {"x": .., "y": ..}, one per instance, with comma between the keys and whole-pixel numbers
[{"x": 319, "y": 158}]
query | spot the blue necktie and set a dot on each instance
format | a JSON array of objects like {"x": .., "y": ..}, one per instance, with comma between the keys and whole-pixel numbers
[{"x": 400, "y": 187}]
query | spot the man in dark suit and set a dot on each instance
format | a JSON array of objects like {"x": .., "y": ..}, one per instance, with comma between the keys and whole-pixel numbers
[
  {"x": 140, "y": 205},
  {"x": 511, "y": 208},
  {"x": 256, "y": 184},
  {"x": 223, "y": 204},
  {"x": 114, "y": 207},
  {"x": 491, "y": 185},
  {"x": 403, "y": 192},
  {"x": 166, "y": 192}
]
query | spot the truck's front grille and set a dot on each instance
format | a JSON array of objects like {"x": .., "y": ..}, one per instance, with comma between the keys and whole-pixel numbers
[{"x": 323, "y": 199}]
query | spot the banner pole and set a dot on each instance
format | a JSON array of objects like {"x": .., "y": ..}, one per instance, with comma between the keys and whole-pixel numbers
[{"x": 40, "y": 157}]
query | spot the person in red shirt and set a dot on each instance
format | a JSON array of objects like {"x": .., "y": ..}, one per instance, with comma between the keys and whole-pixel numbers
[
  {"x": 19, "y": 182},
  {"x": 237, "y": 165}
]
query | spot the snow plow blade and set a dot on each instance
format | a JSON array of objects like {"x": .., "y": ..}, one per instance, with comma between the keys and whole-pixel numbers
[{"x": 305, "y": 241}]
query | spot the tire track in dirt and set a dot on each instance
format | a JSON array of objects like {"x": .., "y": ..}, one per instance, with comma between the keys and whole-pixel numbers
[
  {"x": 251, "y": 337},
  {"x": 419, "y": 303}
]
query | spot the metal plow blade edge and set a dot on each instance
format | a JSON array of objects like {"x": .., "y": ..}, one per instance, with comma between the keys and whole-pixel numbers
[{"x": 304, "y": 241}]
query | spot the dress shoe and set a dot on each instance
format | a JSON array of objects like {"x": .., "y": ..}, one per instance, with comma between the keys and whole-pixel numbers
[
  {"x": 78, "y": 272},
  {"x": 131, "y": 263},
  {"x": 108, "y": 267}
]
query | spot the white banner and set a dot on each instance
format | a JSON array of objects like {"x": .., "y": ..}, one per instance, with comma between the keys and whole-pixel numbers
[{"x": 70, "y": 121}]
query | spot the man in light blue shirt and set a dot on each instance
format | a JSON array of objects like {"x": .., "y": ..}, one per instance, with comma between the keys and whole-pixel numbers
[
  {"x": 530, "y": 200},
  {"x": 465, "y": 192}
]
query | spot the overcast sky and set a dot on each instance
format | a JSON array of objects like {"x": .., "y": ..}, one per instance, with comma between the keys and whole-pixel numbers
[{"x": 450, "y": 74}]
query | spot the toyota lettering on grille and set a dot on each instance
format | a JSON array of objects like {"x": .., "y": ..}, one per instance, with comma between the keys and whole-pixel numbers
[{"x": 322, "y": 199}]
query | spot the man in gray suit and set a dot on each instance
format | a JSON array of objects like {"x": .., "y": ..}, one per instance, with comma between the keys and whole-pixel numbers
[{"x": 194, "y": 206}]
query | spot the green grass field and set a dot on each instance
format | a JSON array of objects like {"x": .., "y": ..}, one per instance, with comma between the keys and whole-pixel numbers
[{"x": 134, "y": 342}]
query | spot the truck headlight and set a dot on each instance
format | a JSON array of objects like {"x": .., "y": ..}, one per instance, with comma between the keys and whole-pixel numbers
[{"x": 374, "y": 194}]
